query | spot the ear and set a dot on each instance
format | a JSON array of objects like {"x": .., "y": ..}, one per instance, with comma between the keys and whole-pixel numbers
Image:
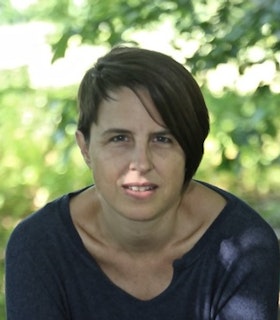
[{"x": 83, "y": 145}]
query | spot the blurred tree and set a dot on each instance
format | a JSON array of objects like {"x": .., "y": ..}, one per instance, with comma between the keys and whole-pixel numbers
[{"x": 223, "y": 30}]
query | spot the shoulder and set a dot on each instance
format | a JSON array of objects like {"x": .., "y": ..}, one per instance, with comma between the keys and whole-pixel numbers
[
  {"x": 49, "y": 228},
  {"x": 240, "y": 228},
  {"x": 35, "y": 229},
  {"x": 234, "y": 221},
  {"x": 226, "y": 217}
]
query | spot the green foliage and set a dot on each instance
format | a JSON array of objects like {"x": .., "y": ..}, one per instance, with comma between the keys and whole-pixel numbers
[
  {"x": 243, "y": 149},
  {"x": 39, "y": 160},
  {"x": 38, "y": 157},
  {"x": 225, "y": 29}
]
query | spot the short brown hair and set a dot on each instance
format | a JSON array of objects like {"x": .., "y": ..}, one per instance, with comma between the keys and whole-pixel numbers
[{"x": 173, "y": 90}]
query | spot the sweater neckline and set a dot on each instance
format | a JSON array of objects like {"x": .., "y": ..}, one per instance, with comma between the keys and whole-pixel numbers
[
  {"x": 188, "y": 258},
  {"x": 183, "y": 262}
]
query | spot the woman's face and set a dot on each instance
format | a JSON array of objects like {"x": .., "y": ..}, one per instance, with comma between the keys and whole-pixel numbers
[{"x": 138, "y": 166}]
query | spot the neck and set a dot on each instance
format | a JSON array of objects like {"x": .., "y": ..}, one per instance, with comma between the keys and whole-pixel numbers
[
  {"x": 137, "y": 236},
  {"x": 144, "y": 236}
]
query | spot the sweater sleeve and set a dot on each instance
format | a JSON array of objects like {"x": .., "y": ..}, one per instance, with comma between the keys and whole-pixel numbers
[
  {"x": 32, "y": 292},
  {"x": 249, "y": 287}
]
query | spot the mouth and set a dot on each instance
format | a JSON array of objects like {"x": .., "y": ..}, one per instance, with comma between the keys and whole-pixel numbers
[{"x": 140, "y": 188}]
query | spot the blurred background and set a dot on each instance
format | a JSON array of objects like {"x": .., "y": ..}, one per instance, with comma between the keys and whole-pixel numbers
[{"x": 232, "y": 48}]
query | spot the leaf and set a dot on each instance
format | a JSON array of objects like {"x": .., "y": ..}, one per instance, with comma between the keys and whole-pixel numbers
[{"x": 60, "y": 47}]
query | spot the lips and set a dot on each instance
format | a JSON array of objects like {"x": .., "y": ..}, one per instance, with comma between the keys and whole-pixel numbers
[
  {"x": 140, "y": 188},
  {"x": 140, "y": 191}
]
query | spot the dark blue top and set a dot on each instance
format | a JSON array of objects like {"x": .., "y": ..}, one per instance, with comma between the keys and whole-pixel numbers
[{"x": 231, "y": 273}]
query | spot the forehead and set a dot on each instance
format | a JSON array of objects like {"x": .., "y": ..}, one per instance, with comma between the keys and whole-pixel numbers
[{"x": 127, "y": 104}]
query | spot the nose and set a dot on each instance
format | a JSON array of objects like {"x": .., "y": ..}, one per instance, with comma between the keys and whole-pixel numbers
[{"x": 141, "y": 159}]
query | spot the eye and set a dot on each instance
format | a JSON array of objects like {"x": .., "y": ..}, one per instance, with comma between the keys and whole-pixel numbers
[
  {"x": 162, "y": 139},
  {"x": 119, "y": 138}
]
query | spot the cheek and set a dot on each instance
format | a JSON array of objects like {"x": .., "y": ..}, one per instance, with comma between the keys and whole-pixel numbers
[
  {"x": 177, "y": 169},
  {"x": 178, "y": 172},
  {"x": 179, "y": 161},
  {"x": 106, "y": 168}
]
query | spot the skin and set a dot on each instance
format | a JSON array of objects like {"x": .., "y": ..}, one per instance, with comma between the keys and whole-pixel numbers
[{"x": 138, "y": 219}]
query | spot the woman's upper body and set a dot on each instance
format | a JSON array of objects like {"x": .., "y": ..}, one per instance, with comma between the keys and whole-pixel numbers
[
  {"x": 147, "y": 241},
  {"x": 228, "y": 273}
]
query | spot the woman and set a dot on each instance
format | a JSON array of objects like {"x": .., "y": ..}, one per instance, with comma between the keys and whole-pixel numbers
[{"x": 146, "y": 241}]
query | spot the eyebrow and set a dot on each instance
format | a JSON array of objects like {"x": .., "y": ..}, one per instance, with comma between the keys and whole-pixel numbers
[
  {"x": 115, "y": 130},
  {"x": 125, "y": 131}
]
